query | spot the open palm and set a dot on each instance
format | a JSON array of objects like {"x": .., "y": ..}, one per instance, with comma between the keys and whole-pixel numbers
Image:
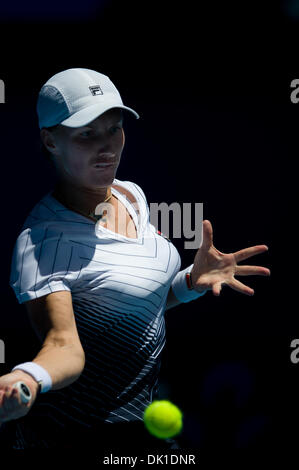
[{"x": 212, "y": 268}]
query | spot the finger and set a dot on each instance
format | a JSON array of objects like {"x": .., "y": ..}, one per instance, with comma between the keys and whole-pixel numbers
[
  {"x": 3, "y": 404},
  {"x": 248, "y": 252},
  {"x": 216, "y": 289},
  {"x": 1, "y": 397},
  {"x": 207, "y": 235},
  {"x": 6, "y": 392},
  {"x": 15, "y": 394},
  {"x": 240, "y": 287},
  {"x": 251, "y": 270},
  {"x": 10, "y": 401}
]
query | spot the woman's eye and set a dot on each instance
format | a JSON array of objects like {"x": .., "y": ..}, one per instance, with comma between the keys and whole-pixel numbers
[
  {"x": 86, "y": 134},
  {"x": 114, "y": 129}
]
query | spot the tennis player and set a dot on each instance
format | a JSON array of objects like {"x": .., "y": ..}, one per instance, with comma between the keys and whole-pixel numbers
[{"x": 96, "y": 290}]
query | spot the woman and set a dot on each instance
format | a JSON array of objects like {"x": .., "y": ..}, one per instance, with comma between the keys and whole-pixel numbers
[{"x": 96, "y": 278}]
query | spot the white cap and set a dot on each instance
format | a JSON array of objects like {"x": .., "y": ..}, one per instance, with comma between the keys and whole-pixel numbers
[{"x": 75, "y": 97}]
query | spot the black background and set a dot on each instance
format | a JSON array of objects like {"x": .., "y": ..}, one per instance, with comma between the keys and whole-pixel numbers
[{"x": 212, "y": 87}]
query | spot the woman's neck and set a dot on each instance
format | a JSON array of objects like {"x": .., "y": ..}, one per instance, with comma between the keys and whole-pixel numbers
[{"x": 80, "y": 198}]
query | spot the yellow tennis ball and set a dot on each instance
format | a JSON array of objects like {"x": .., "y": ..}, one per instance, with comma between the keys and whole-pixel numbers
[{"x": 163, "y": 419}]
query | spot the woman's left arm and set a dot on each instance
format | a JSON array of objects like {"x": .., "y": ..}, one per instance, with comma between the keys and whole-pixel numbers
[{"x": 172, "y": 301}]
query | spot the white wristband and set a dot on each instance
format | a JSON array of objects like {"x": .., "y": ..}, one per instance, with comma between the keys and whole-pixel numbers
[
  {"x": 38, "y": 373},
  {"x": 181, "y": 289}
]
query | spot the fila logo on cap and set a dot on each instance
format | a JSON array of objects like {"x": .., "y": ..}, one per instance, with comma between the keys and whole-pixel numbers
[{"x": 96, "y": 90}]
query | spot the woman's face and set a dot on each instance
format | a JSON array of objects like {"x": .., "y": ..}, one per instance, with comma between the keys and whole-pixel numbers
[{"x": 88, "y": 156}]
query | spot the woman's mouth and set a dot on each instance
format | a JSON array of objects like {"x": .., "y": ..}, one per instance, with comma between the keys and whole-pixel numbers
[{"x": 103, "y": 165}]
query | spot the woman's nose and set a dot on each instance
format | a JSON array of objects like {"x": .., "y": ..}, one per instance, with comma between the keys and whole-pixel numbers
[{"x": 105, "y": 145}]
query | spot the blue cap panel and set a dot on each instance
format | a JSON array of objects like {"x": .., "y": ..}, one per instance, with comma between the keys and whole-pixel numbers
[{"x": 51, "y": 107}]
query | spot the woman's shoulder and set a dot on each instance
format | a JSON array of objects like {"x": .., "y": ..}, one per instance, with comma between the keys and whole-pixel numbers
[{"x": 41, "y": 221}]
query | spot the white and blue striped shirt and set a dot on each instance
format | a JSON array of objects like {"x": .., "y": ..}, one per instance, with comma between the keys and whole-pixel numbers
[{"x": 119, "y": 288}]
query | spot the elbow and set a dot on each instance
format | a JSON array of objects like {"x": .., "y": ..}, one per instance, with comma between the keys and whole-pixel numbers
[
  {"x": 76, "y": 356},
  {"x": 81, "y": 360},
  {"x": 75, "y": 363}
]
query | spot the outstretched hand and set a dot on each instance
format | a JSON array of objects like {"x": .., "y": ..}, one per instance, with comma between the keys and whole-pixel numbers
[{"x": 212, "y": 268}]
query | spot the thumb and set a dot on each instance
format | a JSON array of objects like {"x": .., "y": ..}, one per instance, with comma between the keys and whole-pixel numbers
[
  {"x": 207, "y": 234},
  {"x": 216, "y": 289}
]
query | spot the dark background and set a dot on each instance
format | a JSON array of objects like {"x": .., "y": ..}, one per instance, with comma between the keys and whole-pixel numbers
[{"x": 212, "y": 86}]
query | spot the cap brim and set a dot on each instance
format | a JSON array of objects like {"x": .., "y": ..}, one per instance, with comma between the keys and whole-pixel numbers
[{"x": 87, "y": 115}]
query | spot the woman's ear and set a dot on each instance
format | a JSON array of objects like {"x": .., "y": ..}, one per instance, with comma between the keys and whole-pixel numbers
[{"x": 49, "y": 141}]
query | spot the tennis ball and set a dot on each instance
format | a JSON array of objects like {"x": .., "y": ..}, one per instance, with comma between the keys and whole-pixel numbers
[{"x": 163, "y": 419}]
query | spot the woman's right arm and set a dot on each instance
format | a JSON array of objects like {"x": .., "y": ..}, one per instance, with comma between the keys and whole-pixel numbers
[{"x": 61, "y": 354}]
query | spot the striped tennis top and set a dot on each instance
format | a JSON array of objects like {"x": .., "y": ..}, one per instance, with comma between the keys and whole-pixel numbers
[{"x": 119, "y": 287}]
